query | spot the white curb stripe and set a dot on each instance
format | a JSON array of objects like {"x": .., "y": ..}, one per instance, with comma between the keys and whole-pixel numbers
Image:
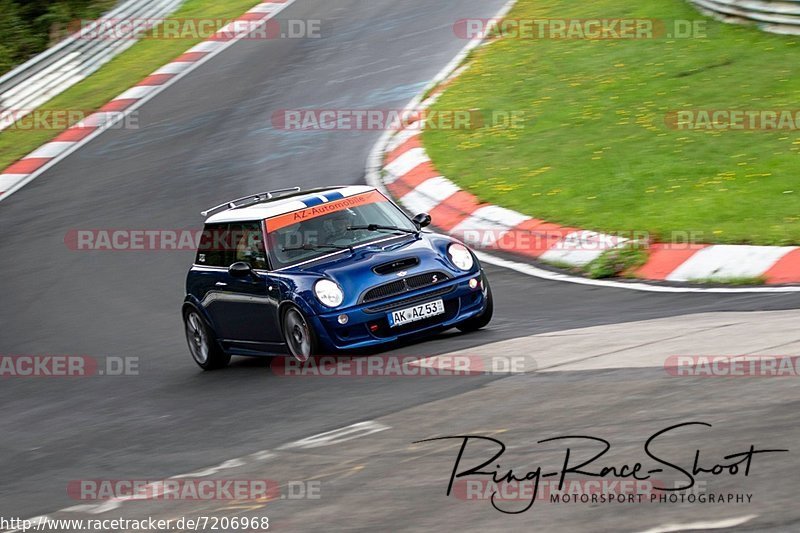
[
  {"x": 51, "y": 149},
  {"x": 176, "y": 67},
  {"x": 570, "y": 257},
  {"x": 400, "y": 138},
  {"x": 487, "y": 224},
  {"x": 497, "y": 216},
  {"x": 405, "y": 164},
  {"x": 206, "y": 46},
  {"x": 429, "y": 194},
  {"x": 729, "y": 261},
  {"x": 7, "y": 180},
  {"x": 137, "y": 92},
  {"x": 263, "y": 8},
  {"x": 581, "y": 247}
]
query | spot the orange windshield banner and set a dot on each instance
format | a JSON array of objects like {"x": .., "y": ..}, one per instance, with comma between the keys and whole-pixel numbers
[{"x": 287, "y": 219}]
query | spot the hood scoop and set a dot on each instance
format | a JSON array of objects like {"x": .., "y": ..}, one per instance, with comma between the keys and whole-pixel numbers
[{"x": 396, "y": 265}]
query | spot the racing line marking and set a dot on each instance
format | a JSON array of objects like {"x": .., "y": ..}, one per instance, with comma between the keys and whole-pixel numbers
[
  {"x": 354, "y": 431},
  {"x": 709, "y": 524}
]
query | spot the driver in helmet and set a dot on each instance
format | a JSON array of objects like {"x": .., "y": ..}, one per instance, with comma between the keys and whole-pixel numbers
[{"x": 336, "y": 225}]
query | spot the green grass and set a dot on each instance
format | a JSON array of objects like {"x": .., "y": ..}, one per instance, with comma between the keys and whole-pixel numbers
[
  {"x": 119, "y": 74},
  {"x": 617, "y": 262},
  {"x": 594, "y": 150}
]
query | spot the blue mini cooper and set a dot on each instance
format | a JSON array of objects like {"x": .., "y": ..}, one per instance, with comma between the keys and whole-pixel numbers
[{"x": 322, "y": 271}]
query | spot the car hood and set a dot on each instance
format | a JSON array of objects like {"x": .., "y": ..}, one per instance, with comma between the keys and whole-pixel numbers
[{"x": 355, "y": 272}]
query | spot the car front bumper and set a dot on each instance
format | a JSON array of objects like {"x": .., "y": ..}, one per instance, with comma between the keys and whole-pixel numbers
[{"x": 367, "y": 324}]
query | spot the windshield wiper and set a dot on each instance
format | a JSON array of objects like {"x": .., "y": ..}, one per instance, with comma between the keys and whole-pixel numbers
[
  {"x": 380, "y": 227},
  {"x": 311, "y": 246}
]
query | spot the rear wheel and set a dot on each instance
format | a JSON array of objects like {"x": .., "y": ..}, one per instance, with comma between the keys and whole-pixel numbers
[
  {"x": 299, "y": 337},
  {"x": 481, "y": 320},
  {"x": 204, "y": 348}
]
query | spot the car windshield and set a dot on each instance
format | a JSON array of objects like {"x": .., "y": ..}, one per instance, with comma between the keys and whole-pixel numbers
[{"x": 339, "y": 225}]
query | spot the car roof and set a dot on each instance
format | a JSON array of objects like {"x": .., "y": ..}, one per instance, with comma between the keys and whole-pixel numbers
[{"x": 287, "y": 204}]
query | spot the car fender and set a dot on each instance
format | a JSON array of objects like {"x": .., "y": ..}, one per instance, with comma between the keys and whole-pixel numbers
[
  {"x": 191, "y": 302},
  {"x": 298, "y": 301}
]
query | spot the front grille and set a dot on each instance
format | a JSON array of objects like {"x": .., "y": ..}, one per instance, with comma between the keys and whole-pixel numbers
[{"x": 400, "y": 286}]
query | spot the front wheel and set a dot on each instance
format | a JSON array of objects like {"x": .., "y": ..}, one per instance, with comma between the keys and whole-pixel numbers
[
  {"x": 481, "y": 320},
  {"x": 203, "y": 346},
  {"x": 299, "y": 337}
]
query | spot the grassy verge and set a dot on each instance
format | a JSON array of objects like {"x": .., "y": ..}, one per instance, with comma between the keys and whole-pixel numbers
[
  {"x": 617, "y": 262},
  {"x": 594, "y": 149},
  {"x": 119, "y": 74}
]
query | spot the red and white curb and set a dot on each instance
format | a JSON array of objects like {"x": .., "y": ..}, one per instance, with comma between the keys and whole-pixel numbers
[
  {"x": 35, "y": 163},
  {"x": 410, "y": 176},
  {"x": 400, "y": 166}
]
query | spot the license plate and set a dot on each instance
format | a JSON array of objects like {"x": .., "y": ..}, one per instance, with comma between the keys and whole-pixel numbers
[{"x": 418, "y": 312}]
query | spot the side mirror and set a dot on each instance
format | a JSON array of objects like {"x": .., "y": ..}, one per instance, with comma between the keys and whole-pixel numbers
[
  {"x": 240, "y": 269},
  {"x": 422, "y": 220}
]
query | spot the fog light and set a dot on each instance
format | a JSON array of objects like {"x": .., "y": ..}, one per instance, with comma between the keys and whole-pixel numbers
[
  {"x": 473, "y": 283},
  {"x": 343, "y": 319}
]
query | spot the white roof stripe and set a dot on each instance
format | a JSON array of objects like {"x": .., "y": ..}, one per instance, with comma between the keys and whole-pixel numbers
[{"x": 279, "y": 207}]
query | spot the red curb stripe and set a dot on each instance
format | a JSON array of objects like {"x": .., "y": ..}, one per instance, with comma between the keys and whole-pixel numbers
[
  {"x": 665, "y": 258},
  {"x": 252, "y": 16},
  {"x": 786, "y": 270},
  {"x": 118, "y": 105},
  {"x": 399, "y": 189},
  {"x": 409, "y": 144},
  {"x": 454, "y": 210},
  {"x": 190, "y": 57},
  {"x": 543, "y": 236},
  {"x": 75, "y": 133},
  {"x": 419, "y": 174},
  {"x": 156, "y": 79},
  {"x": 26, "y": 166}
]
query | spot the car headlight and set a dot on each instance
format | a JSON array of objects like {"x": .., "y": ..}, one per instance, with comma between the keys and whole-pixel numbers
[
  {"x": 460, "y": 256},
  {"x": 328, "y": 293}
]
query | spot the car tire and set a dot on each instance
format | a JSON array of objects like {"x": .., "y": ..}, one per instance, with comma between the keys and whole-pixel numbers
[
  {"x": 477, "y": 322},
  {"x": 203, "y": 344},
  {"x": 300, "y": 338}
]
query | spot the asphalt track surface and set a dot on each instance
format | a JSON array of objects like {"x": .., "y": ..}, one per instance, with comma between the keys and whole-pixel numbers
[{"x": 206, "y": 139}]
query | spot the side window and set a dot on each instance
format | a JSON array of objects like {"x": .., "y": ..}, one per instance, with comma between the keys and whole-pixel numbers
[
  {"x": 248, "y": 244},
  {"x": 213, "y": 246}
]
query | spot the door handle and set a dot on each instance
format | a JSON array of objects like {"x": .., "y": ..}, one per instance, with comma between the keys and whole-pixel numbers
[{"x": 221, "y": 284}]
